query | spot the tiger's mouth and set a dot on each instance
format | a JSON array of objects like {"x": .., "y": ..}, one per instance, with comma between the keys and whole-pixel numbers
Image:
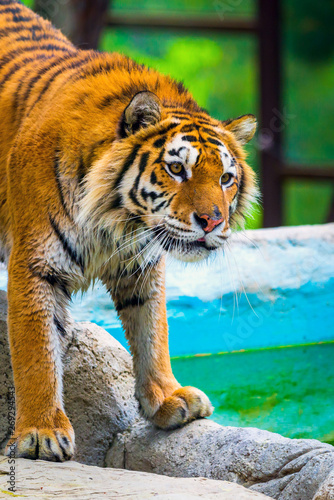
[
  {"x": 183, "y": 249},
  {"x": 170, "y": 243}
]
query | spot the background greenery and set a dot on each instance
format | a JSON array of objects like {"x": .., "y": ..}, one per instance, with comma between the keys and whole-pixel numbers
[{"x": 221, "y": 71}]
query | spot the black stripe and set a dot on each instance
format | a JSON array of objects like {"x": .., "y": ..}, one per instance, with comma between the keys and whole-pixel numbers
[
  {"x": 188, "y": 128},
  {"x": 32, "y": 37},
  {"x": 204, "y": 122},
  {"x": 101, "y": 68},
  {"x": 53, "y": 278},
  {"x": 191, "y": 138},
  {"x": 67, "y": 247},
  {"x": 39, "y": 75},
  {"x": 160, "y": 142},
  {"x": 168, "y": 128},
  {"x": 161, "y": 132},
  {"x": 170, "y": 201},
  {"x": 10, "y": 10},
  {"x": 117, "y": 202},
  {"x": 209, "y": 131},
  {"x": 135, "y": 301},
  {"x": 179, "y": 111},
  {"x": 59, "y": 326},
  {"x": 75, "y": 64},
  {"x": 17, "y": 99},
  {"x": 31, "y": 48},
  {"x": 127, "y": 164},
  {"x": 182, "y": 118},
  {"x": 17, "y": 29},
  {"x": 153, "y": 178},
  {"x": 241, "y": 183},
  {"x": 161, "y": 205},
  {"x": 135, "y": 200},
  {"x": 150, "y": 194},
  {"x": 214, "y": 141},
  {"x": 161, "y": 154},
  {"x": 18, "y": 66},
  {"x": 81, "y": 172},
  {"x": 142, "y": 165},
  {"x": 22, "y": 19},
  {"x": 60, "y": 187},
  {"x": 105, "y": 102}
]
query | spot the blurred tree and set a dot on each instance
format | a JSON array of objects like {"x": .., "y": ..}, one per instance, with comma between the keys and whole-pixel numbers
[
  {"x": 81, "y": 20},
  {"x": 90, "y": 17}
]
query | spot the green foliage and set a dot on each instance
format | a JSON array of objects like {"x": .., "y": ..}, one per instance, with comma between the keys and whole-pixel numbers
[
  {"x": 312, "y": 37},
  {"x": 188, "y": 7},
  {"x": 29, "y": 3}
]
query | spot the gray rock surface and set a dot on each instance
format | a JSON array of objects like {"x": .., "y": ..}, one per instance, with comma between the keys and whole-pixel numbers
[
  {"x": 109, "y": 431},
  {"x": 77, "y": 481},
  {"x": 98, "y": 391},
  {"x": 279, "y": 467}
]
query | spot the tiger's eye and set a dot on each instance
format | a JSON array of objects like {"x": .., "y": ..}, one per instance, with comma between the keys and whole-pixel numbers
[
  {"x": 225, "y": 178},
  {"x": 176, "y": 168}
]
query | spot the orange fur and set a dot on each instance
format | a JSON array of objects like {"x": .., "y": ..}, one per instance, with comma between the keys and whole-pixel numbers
[{"x": 89, "y": 145}]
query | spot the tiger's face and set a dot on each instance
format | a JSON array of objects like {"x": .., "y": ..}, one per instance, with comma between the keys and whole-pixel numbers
[
  {"x": 183, "y": 175},
  {"x": 185, "y": 187}
]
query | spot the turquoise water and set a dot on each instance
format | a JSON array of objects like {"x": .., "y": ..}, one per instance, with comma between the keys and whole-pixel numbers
[
  {"x": 289, "y": 391},
  {"x": 196, "y": 326}
]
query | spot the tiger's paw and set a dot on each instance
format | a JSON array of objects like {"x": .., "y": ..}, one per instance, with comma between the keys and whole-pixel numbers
[
  {"x": 55, "y": 444},
  {"x": 184, "y": 405}
]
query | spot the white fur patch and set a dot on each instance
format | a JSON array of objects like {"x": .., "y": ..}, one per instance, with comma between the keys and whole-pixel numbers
[
  {"x": 182, "y": 151},
  {"x": 227, "y": 162}
]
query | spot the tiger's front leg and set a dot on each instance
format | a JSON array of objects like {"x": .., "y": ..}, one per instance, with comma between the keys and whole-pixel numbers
[
  {"x": 42, "y": 430},
  {"x": 141, "y": 304}
]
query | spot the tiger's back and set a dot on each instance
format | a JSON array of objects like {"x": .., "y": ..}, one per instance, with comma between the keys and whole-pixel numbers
[{"x": 29, "y": 45}]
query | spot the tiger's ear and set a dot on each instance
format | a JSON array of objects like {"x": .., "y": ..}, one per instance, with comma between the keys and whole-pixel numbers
[
  {"x": 143, "y": 110},
  {"x": 242, "y": 127}
]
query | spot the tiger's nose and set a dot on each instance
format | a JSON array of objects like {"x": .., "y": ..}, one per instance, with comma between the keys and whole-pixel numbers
[{"x": 207, "y": 223}]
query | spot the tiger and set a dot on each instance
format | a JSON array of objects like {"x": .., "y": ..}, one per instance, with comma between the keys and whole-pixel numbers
[{"x": 107, "y": 167}]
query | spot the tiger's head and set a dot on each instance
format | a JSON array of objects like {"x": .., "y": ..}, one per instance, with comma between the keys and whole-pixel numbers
[{"x": 180, "y": 174}]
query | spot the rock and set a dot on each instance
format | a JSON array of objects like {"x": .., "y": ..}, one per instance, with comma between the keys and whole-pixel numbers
[
  {"x": 326, "y": 491},
  {"x": 98, "y": 391},
  {"x": 99, "y": 399},
  {"x": 279, "y": 467},
  {"x": 71, "y": 480}
]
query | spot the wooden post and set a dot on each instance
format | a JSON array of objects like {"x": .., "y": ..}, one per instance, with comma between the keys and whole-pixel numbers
[{"x": 271, "y": 116}]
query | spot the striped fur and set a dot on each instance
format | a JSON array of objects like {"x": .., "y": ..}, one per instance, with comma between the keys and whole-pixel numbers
[{"x": 105, "y": 166}]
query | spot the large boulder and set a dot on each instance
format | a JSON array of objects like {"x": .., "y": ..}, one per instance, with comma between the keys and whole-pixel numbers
[
  {"x": 99, "y": 399},
  {"x": 279, "y": 467},
  {"x": 71, "y": 480}
]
